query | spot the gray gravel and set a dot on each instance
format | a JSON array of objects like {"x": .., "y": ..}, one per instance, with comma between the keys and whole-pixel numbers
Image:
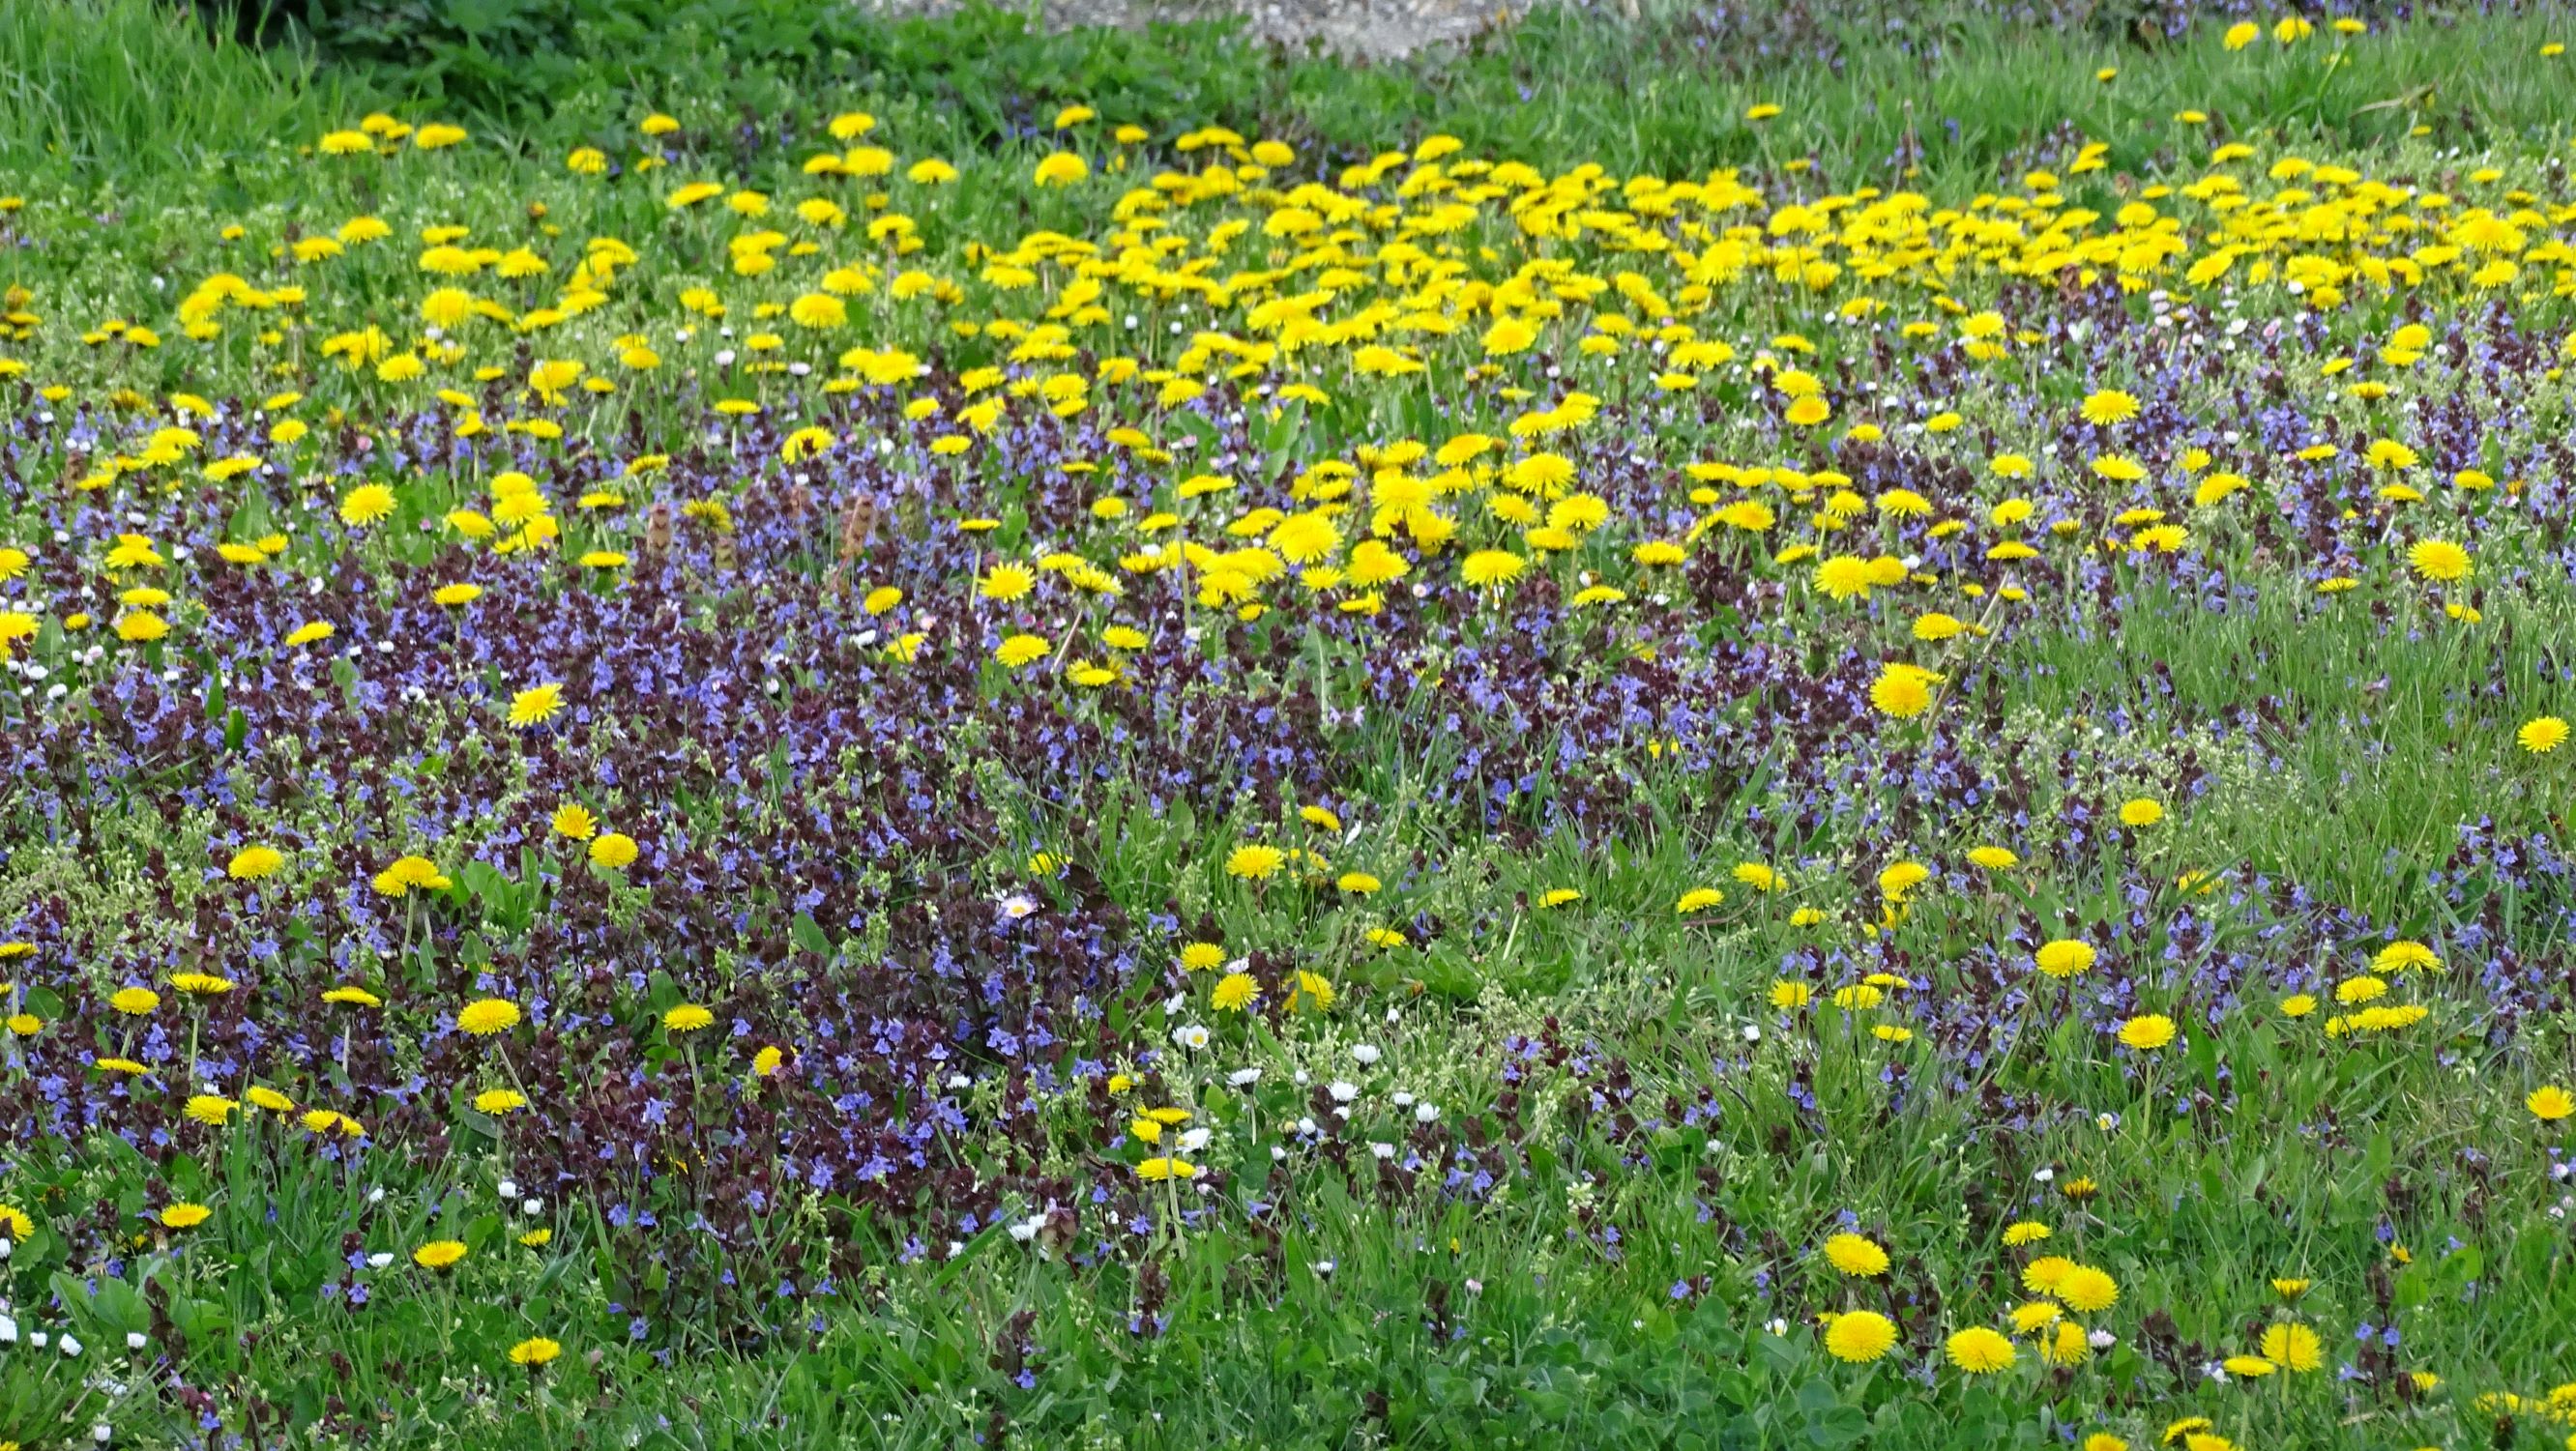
[{"x": 1366, "y": 29}]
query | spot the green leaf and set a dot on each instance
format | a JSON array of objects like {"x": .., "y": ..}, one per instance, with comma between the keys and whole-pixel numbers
[
  {"x": 1841, "y": 1426},
  {"x": 1780, "y": 1352},
  {"x": 2461, "y": 1266},
  {"x": 1443, "y": 969},
  {"x": 203, "y": 1322},
  {"x": 809, "y": 935}
]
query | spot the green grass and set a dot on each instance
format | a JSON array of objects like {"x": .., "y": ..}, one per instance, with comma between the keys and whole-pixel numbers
[
  {"x": 1966, "y": 96},
  {"x": 2348, "y": 751},
  {"x": 121, "y": 84},
  {"x": 125, "y": 88}
]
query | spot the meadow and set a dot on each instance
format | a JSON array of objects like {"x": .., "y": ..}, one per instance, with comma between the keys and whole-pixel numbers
[{"x": 735, "y": 725}]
